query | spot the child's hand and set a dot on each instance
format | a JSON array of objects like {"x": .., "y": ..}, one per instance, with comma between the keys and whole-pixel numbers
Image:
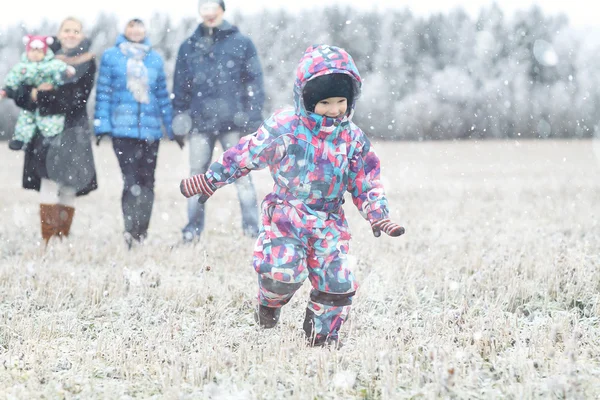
[
  {"x": 197, "y": 184},
  {"x": 387, "y": 226},
  {"x": 100, "y": 136},
  {"x": 45, "y": 87},
  {"x": 70, "y": 71},
  {"x": 3, "y": 94}
]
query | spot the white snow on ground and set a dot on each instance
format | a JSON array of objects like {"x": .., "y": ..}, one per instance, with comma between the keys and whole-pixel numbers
[{"x": 492, "y": 292}]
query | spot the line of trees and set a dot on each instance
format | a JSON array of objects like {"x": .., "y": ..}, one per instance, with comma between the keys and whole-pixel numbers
[{"x": 446, "y": 76}]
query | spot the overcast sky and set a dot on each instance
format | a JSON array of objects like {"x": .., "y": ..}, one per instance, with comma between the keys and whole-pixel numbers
[{"x": 582, "y": 14}]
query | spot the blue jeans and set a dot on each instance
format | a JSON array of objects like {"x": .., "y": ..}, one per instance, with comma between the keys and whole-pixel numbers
[{"x": 202, "y": 146}]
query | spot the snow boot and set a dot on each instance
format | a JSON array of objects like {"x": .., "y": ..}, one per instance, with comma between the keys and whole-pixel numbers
[
  {"x": 267, "y": 317},
  {"x": 49, "y": 221},
  {"x": 313, "y": 324},
  {"x": 65, "y": 214}
]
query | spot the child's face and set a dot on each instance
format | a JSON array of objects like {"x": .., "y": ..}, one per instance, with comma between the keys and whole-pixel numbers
[
  {"x": 332, "y": 107},
  {"x": 135, "y": 32},
  {"x": 35, "y": 55}
]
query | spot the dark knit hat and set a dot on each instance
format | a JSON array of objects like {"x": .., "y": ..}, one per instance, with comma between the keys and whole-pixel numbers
[
  {"x": 326, "y": 86},
  {"x": 219, "y": 2}
]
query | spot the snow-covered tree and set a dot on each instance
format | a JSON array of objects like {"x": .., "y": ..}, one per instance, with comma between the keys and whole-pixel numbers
[{"x": 446, "y": 76}]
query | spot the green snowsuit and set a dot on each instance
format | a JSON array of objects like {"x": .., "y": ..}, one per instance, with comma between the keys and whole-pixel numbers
[{"x": 49, "y": 70}]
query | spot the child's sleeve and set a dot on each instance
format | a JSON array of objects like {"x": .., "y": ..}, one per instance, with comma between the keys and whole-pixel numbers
[
  {"x": 364, "y": 182},
  {"x": 253, "y": 152},
  {"x": 14, "y": 78},
  {"x": 58, "y": 71}
]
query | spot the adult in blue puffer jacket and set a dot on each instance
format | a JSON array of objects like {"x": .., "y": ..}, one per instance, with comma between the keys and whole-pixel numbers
[
  {"x": 132, "y": 106},
  {"x": 218, "y": 84}
]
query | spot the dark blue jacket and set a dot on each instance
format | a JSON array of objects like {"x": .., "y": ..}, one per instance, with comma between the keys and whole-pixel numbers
[
  {"x": 118, "y": 112},
  {"x": 219, "y": 80}
]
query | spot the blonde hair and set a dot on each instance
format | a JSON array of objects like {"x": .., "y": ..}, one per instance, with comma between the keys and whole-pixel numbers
[{"x": 71, "y": 19}]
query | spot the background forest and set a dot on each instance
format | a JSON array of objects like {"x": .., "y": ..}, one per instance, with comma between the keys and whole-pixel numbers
[{"x": 445, "y": 76}]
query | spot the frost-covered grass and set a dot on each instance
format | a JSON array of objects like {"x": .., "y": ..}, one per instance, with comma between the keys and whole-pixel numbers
[{"x": 493, "y": 292}]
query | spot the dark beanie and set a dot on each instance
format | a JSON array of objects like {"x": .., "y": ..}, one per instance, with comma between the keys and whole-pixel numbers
[
  {"x": 219, "y": 2},
  {"x": 326, "y": 86}
]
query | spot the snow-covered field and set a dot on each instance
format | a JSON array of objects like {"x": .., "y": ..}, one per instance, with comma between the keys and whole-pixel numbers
[{"x": 493, "y": 292}]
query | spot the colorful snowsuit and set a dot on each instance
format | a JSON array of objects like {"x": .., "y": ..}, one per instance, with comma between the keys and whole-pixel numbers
[
  {"x": 49, "y": 70},
  {"x": 313, "y": 160}
]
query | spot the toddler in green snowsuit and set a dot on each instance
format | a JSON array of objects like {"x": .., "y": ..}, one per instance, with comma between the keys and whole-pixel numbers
[{"x": 37, "y": 66}]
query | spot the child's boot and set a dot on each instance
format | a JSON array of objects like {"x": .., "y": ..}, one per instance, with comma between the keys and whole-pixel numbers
[
  {"x": 14, "y": 144},
  {"x": 276, "y": 294},
  {"x": 267, "y": 317},
  {"x": 325, "y": 315},
  {"x": 311, "y": 328}
]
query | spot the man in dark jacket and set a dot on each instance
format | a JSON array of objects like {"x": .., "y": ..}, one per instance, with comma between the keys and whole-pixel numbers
[{"x": 218, "y": 83}]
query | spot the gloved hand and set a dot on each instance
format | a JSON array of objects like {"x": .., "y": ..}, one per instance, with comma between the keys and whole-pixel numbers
[
  {"x": 100, "y": 136},
  {"x": 15, "y": 144},
  {"x": 197, "y": 184},
  {"x": 387, "y": 226},
  {"x": 180, "y": 140},
  {"x": 182, "y": 123}
]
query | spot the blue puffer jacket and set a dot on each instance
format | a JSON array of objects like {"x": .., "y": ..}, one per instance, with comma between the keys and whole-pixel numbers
[
  {"x": 219, "y": 80},
  {"x": 118, "y": 112}
]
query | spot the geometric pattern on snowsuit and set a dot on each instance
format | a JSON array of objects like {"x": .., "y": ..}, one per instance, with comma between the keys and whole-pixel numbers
[
  {"x": 313, "y": 160},
  {"x": 49, "y": 70},
  {"x": 294, "y": 245}
]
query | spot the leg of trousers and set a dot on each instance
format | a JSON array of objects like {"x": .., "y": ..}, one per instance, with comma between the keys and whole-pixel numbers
[
  {"x": 245, "y": 190},
  {"x": 201, "y": 153},
  {"x": 137, "y": 159},
  {"x": 292, "y": 247},
  {"x": 333, "y": 283}
]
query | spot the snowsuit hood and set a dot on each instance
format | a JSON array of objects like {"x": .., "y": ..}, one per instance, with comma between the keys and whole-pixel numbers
[{"x": 319, "y": 60}]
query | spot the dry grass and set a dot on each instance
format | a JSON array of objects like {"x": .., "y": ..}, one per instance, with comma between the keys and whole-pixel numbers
[{"x": 493, "y": 292}]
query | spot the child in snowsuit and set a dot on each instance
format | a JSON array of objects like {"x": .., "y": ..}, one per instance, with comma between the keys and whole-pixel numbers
[
  {"x": 315, "y": 154},
  {"x": 37, "y": 66}
]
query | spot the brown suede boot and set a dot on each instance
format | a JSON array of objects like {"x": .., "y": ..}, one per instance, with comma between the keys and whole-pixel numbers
[
  {"x": 49, "y": 220},
  {"x": 65, "y": 219}
]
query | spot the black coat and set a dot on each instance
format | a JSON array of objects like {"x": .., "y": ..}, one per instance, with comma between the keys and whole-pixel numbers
[{"x": 68, "y": 157}]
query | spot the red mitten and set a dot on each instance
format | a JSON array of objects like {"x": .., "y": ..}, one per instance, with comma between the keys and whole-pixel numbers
[
  {"x": 387, "y": 226},
  {"x": 197, "y": 184}
]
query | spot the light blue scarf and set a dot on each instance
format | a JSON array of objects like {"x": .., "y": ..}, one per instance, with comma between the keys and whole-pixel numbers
[{"x": 137, "y": 73}]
